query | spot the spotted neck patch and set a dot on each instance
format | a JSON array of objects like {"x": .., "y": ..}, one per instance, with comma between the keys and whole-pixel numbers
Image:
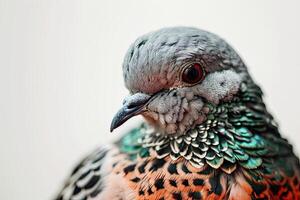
[{"x": 232, "y": 135}]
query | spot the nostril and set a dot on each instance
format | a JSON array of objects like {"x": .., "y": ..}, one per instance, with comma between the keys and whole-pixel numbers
[
  {"x": 136, "y": 100},
  {"x": 131, "y": 105},
  {"x": 136, "y": 103}
]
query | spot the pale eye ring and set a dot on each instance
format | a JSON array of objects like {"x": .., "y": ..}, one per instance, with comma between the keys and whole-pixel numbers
[{"x": 193, "y": 73}]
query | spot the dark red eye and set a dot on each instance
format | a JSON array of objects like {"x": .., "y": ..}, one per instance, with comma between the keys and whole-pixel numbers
[{"x": 193, "y": 74}]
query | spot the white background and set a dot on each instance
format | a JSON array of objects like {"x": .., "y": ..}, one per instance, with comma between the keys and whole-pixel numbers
[{"x": 61, "y": 79}]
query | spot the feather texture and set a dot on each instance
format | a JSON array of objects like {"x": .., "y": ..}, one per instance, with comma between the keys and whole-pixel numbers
[{"x": 237, "y": 153}]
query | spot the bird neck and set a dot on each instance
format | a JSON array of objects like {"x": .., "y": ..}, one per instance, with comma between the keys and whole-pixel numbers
[{"x": 232, "y": 133}]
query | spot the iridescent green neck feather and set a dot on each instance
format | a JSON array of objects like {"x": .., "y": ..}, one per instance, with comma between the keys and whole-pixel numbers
[{"x": 236, "y": 133}]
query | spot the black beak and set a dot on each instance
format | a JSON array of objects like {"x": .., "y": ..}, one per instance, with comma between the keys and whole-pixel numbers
[{"x": 133, "y": 107}]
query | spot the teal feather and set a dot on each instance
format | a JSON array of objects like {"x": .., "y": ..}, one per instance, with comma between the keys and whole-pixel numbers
[{"x": 237, "y": 133}]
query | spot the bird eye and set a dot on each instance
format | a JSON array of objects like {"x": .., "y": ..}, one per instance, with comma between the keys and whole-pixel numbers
[{"x": 193, "y": 74}]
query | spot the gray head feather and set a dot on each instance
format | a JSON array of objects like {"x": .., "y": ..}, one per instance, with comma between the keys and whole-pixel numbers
[
  {"x": 150, "y": 63},
  {"x": 153, "y": 70}
]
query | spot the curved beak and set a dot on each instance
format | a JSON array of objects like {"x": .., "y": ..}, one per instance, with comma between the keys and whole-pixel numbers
[{"x": 134, "y": 105}]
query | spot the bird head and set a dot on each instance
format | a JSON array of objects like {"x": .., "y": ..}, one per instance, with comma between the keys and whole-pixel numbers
[{"x": 173, "y": 72}]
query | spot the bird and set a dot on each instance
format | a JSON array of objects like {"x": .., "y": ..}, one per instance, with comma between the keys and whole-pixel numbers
[{"x": 206, "y": 134}]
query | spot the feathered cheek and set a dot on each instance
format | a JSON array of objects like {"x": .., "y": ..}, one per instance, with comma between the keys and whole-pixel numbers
[
  {"x": 162, "y": 106},
  {"x": 174, "y": 113},
  {"x": 219, "y": 86}
]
